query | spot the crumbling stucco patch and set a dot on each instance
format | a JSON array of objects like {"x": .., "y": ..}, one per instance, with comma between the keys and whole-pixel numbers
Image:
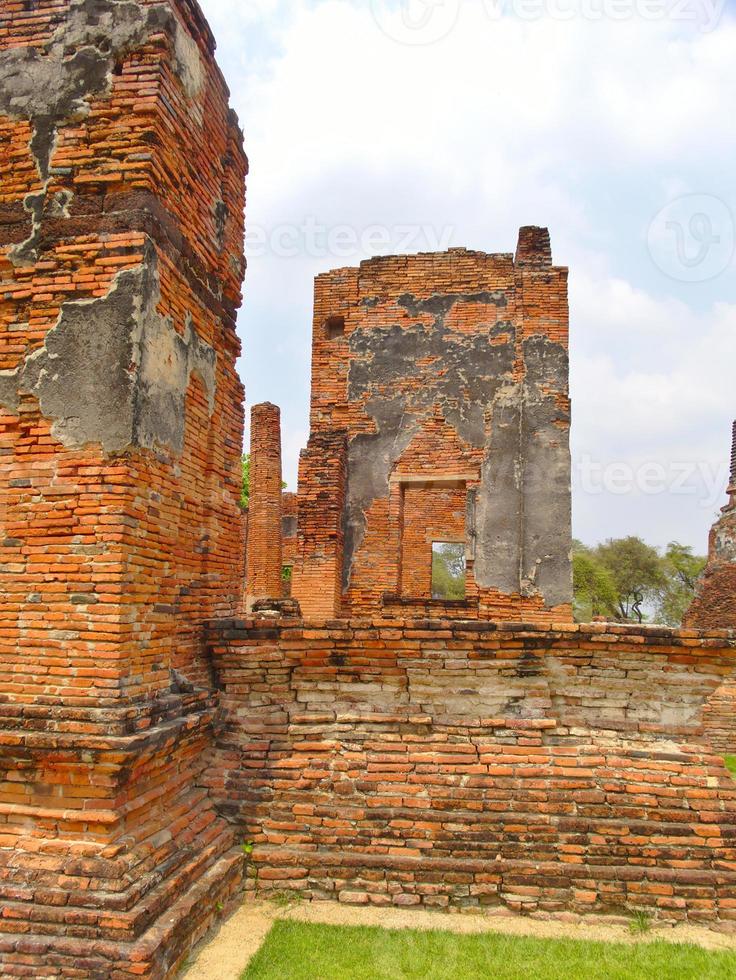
[
  {"x": 522, "y": 513},
  {"x": 9, "y": 390},
  {"x": 54, "y": 84},
  {"x": 114, "y": 371},
  {"x": 468, "y": 371},
  {"x": 547, "y": 524}
]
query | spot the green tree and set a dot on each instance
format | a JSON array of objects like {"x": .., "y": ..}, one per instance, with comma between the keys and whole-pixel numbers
[
  {"x": 448, "y": 571},
  {"x": 594, "y": 590},
  {"x": 637, "y": 573},
  {"x": 681, "y": 569},
  {"x": 245, "y": 486}
]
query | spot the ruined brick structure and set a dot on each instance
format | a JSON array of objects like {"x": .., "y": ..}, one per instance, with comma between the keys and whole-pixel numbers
[
  {"x": 121, "y": 259},
  {"x": 715, "y": 602},
  {"x": 387, "y": 747},
  {"x": 440, "y": 412}
]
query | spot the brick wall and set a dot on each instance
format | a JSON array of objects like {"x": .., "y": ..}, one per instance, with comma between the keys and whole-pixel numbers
[
  {"x": 471, "y": 764},
  {"x": 121, "y": 226},
  {"x": 317, "y": 577},
  {"x": 447, "y": 370}
]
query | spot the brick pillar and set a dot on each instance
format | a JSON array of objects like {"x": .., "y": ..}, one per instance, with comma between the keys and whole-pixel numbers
[
  {"x": 318, "y": 572},
  {"x": 714, "y": 606},
  {"x": 264, "y": 561},
  {"x": 533, "y": 249},
  {"x": 121, "y": 228}
]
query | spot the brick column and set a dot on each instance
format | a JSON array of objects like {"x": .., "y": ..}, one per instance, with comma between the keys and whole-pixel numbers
[
  {"x": 122, "y": 179},
  {"x": 264, "y": 559},
  {"x": 318, "y": 573}
]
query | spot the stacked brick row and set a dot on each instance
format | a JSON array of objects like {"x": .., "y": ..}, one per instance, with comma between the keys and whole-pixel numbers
[
  {"x": 466, "y": 764},
  {"x": 121, "y": 200},
  {"x": 449, "y": 371}
]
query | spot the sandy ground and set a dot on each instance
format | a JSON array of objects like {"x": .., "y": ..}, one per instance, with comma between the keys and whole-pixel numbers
[{"x": 226, "y": 955}]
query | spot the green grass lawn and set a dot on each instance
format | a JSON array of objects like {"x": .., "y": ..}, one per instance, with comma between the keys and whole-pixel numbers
[
  {"x": 731, "y": 764},
  {"x": 297, "y": 951}
]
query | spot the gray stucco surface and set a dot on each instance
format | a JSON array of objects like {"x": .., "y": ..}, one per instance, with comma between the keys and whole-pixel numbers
[
  {"x": 114, "y": 371},
  {"x": 522, "y": 509}
]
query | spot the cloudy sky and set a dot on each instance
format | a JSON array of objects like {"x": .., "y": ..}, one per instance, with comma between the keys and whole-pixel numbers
[{"x": 384, "y": 126}]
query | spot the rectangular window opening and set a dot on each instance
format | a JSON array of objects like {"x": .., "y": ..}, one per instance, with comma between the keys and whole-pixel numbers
[{"x": 448, "y": 570}]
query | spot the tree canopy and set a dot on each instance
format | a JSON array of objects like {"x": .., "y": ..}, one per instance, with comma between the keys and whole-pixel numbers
[{"x": 627, "y": 580}]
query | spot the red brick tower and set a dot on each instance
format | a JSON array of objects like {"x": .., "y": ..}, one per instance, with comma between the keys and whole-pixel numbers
[{"x": 121, "y": 258}]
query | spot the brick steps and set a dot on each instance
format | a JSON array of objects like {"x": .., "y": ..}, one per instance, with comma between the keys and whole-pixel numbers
[
  {"x": 158, "y": 952},
  {"x": 121, "y": 915}
]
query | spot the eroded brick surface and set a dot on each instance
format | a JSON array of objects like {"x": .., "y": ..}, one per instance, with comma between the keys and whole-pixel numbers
[{"x": 394, "y": 759}]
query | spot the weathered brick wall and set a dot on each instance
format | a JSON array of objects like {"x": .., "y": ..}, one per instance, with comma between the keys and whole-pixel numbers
[
  {"x": 121, "y": 226},
  {"x": 714, "y": 605},
  {"x": 450, "y": 369},
  {"x": 263, "y": 566},
  {"x": 472, "y": 764}
]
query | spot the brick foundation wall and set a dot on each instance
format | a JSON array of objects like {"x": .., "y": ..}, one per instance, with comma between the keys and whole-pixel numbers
[
  {"x": 475, "y": 764},
  {"x": 121, "y": 226}
]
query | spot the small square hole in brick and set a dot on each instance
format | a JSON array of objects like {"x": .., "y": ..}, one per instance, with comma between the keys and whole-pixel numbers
[
  {"x": 334, "y": 327},
  {"x": 448, "y": 570}
]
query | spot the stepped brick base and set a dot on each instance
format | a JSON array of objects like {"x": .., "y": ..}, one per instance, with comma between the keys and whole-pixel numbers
[{"x": 130, "y": 867}]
